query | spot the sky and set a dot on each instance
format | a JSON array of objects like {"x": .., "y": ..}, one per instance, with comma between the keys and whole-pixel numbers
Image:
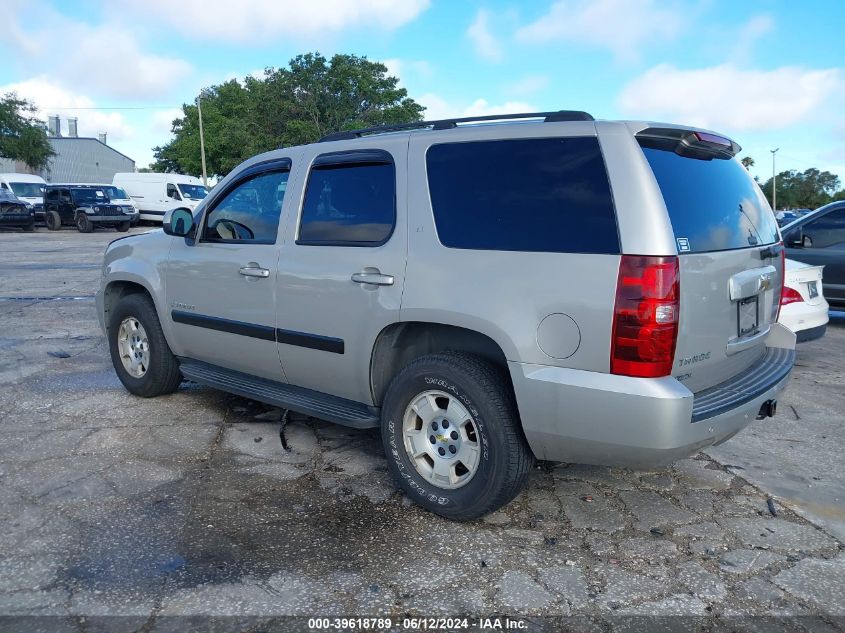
[{"x": 768, "y": 73}]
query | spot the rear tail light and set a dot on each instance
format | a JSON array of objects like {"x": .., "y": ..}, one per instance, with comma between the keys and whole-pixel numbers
[
  {"x": 777, "y": 300},
  {"x": 790, "y": 295},
  {"x": 645, "y": 317}
]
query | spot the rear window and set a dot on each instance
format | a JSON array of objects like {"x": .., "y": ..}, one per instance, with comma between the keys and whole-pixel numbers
[
  {"x": 714, "y": 205},
  {"x": 546, "y": 194}
]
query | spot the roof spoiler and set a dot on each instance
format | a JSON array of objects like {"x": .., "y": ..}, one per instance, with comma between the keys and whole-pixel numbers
[{"x": 692, "y": 143}]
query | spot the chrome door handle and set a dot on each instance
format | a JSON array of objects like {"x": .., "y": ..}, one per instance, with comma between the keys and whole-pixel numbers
[
  {"x": 254, "y": 271},
  {"x": 372, "y": 277}
]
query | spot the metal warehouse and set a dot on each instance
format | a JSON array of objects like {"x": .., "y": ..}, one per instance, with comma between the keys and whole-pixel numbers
[{"x": 77, "y": 159}]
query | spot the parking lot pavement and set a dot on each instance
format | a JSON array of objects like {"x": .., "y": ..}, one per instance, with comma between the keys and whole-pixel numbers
[{"x": 188, "y": 505}]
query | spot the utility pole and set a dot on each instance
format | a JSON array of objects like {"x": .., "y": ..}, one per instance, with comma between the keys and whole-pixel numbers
[
  {"x": 774, "y": 179},
  {"x": 202, "y": 142}
]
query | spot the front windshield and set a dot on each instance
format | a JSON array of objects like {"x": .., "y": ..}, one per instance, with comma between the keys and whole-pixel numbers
[
  {"x": 27, "y": 189},
  {"x": 195, "y": 192},
  {"x": 115, "y": 193},
  {"x": 87, "y": 196}
]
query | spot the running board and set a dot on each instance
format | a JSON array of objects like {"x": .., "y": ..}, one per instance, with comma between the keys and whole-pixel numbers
[{"x": 298, "y": 399}]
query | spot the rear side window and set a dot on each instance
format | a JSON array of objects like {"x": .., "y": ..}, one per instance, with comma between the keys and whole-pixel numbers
[
  {"x": 713, "y": 204},
  {"x": 349, "y": 204},
  {"x": 546, "y": 194}
]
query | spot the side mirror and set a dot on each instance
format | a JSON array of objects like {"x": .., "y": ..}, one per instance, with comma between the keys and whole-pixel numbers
[
  {"x": 178, "y": 222},
  {"x": 794, "y": 239}
]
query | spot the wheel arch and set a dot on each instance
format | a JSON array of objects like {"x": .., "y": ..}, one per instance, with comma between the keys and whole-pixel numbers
[{"x": 399, "y": 343}]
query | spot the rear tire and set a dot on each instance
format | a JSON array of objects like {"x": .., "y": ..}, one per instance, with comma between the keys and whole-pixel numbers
[
  {"x": 83, "y": 224},
  {"x": 52, "y": 220},
  {"x": 145, "y": 366},
  {"x": 123, "y": 227},
  {"x": 479, "y": 459}
]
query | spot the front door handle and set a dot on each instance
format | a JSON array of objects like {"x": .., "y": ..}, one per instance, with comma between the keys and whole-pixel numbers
[
  {"x": 253, "y": 270},
  {"x": 372, "y": 276}
]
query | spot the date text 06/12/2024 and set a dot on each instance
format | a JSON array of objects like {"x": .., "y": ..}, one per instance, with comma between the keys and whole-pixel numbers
[{"x": 418, "y": 624}]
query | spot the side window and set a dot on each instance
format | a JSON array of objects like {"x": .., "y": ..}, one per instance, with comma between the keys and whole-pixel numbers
[
  {"x": 65, "y": 195},
  {"x": 172, "y": 192},
  {"x": 3, "y": 186},
  {"x": 540, "y": 194},
  {"x": 349, "y": 204},
  {"x": 52, "y": 195},
  {"x": 250, "y": 211},
  {"x": 826, "y": 231}
]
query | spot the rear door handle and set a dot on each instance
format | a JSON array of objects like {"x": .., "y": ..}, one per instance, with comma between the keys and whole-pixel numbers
[
  {"x": 374, "y": 277},
  {"x": 254, "y": 271}
]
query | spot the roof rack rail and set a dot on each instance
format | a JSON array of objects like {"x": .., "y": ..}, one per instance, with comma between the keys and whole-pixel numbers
[{"x": 447, "y": 124}]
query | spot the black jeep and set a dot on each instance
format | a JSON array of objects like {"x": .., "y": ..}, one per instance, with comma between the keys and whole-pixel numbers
[
  {"x": 84, "y": 206},
  {"x": 15, "y": 212}
]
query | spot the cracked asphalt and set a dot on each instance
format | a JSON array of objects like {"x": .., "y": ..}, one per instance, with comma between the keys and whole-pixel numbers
[{"x": 186, "y": 506}]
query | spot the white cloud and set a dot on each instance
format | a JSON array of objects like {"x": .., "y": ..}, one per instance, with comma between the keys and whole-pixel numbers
[
  {"x": 439, "y": 108},
  {"x": 162, "y": 120},
  {"x": 726, "y": 97},
  {"x": 99, "y": 59},
  {"x": 481, "y": 107},
  {"x": 403, "y": 69},
  {"x": 527, "y": 85},
  {"x": 123, "y": 71},
  {"x": 51, "y": 99},
  {"x": 485, "y": 43},
  {"x": 622, "y": 26},
  {"x": 249, "y": 21},
  {"x": 748, "y": 35}
]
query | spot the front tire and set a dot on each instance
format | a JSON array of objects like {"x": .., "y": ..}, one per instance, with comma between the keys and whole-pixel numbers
[
  {"x": 139, "y": 352},
  {"x": 83, "y": 224},
  {"x": 452, "y": 436},
  {"x": 123, "y": 226},
  {"x": 53, "y": 220},
  {"x": 29, "y": 228}
]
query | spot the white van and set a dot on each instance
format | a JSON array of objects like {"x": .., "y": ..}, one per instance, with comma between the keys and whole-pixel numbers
[
  {"x": 156, "y": 193},
  {"x": 26, "y": 187}
]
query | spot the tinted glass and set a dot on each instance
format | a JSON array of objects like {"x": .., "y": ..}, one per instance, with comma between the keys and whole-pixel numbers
[
  {"x": 89, "y": 196},
  {"x": 352, "y": 203},
  {"x": 828, "y": 230},
  {"x": 250, "y": 211},
  {"x": 547, "y": 195},
  {"x": 714, "y": 205}
]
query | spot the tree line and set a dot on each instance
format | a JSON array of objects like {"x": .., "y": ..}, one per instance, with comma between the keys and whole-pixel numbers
[{"x": 292, "y": 105}]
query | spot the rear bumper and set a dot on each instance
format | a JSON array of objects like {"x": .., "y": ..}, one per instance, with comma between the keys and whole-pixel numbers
[
  {"x": 586, "y": 417},
  {"x": 811, "y": 334}
]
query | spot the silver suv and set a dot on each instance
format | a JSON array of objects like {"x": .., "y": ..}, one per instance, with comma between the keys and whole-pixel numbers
[{"x": 485, "y": 292}]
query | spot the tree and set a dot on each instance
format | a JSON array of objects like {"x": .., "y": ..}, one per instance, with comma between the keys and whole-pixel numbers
[
  {"x": 747, "y": 162},
  {"x": 807, "y": 190},
  {"x": 22, "y": 134},
  {"x": 296, "y": 104}
]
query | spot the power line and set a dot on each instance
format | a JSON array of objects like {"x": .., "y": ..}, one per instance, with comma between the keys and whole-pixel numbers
[{"x": 112, "y": 108}]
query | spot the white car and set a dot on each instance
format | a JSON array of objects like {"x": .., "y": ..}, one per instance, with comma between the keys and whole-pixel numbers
[{"x": 803, "y": 308}]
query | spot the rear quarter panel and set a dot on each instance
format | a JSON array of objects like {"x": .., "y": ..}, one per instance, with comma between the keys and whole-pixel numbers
[{"x": 502, "y": 294}]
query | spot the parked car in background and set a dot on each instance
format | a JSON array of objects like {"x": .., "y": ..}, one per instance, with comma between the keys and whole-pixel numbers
[
  {"x": 28, "y": 188},
  {"x": 785, "y": 217},
  {"x": 117, "y": 196},
  {"x": 14, "y": 212},
  {"x": 803, "y": 308},
  {"x": 818, "y": 238},
  {"x": 156, "y": 193},
  {"x": 562, "y": 288},
  {"x": 85, "y": 207}
]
